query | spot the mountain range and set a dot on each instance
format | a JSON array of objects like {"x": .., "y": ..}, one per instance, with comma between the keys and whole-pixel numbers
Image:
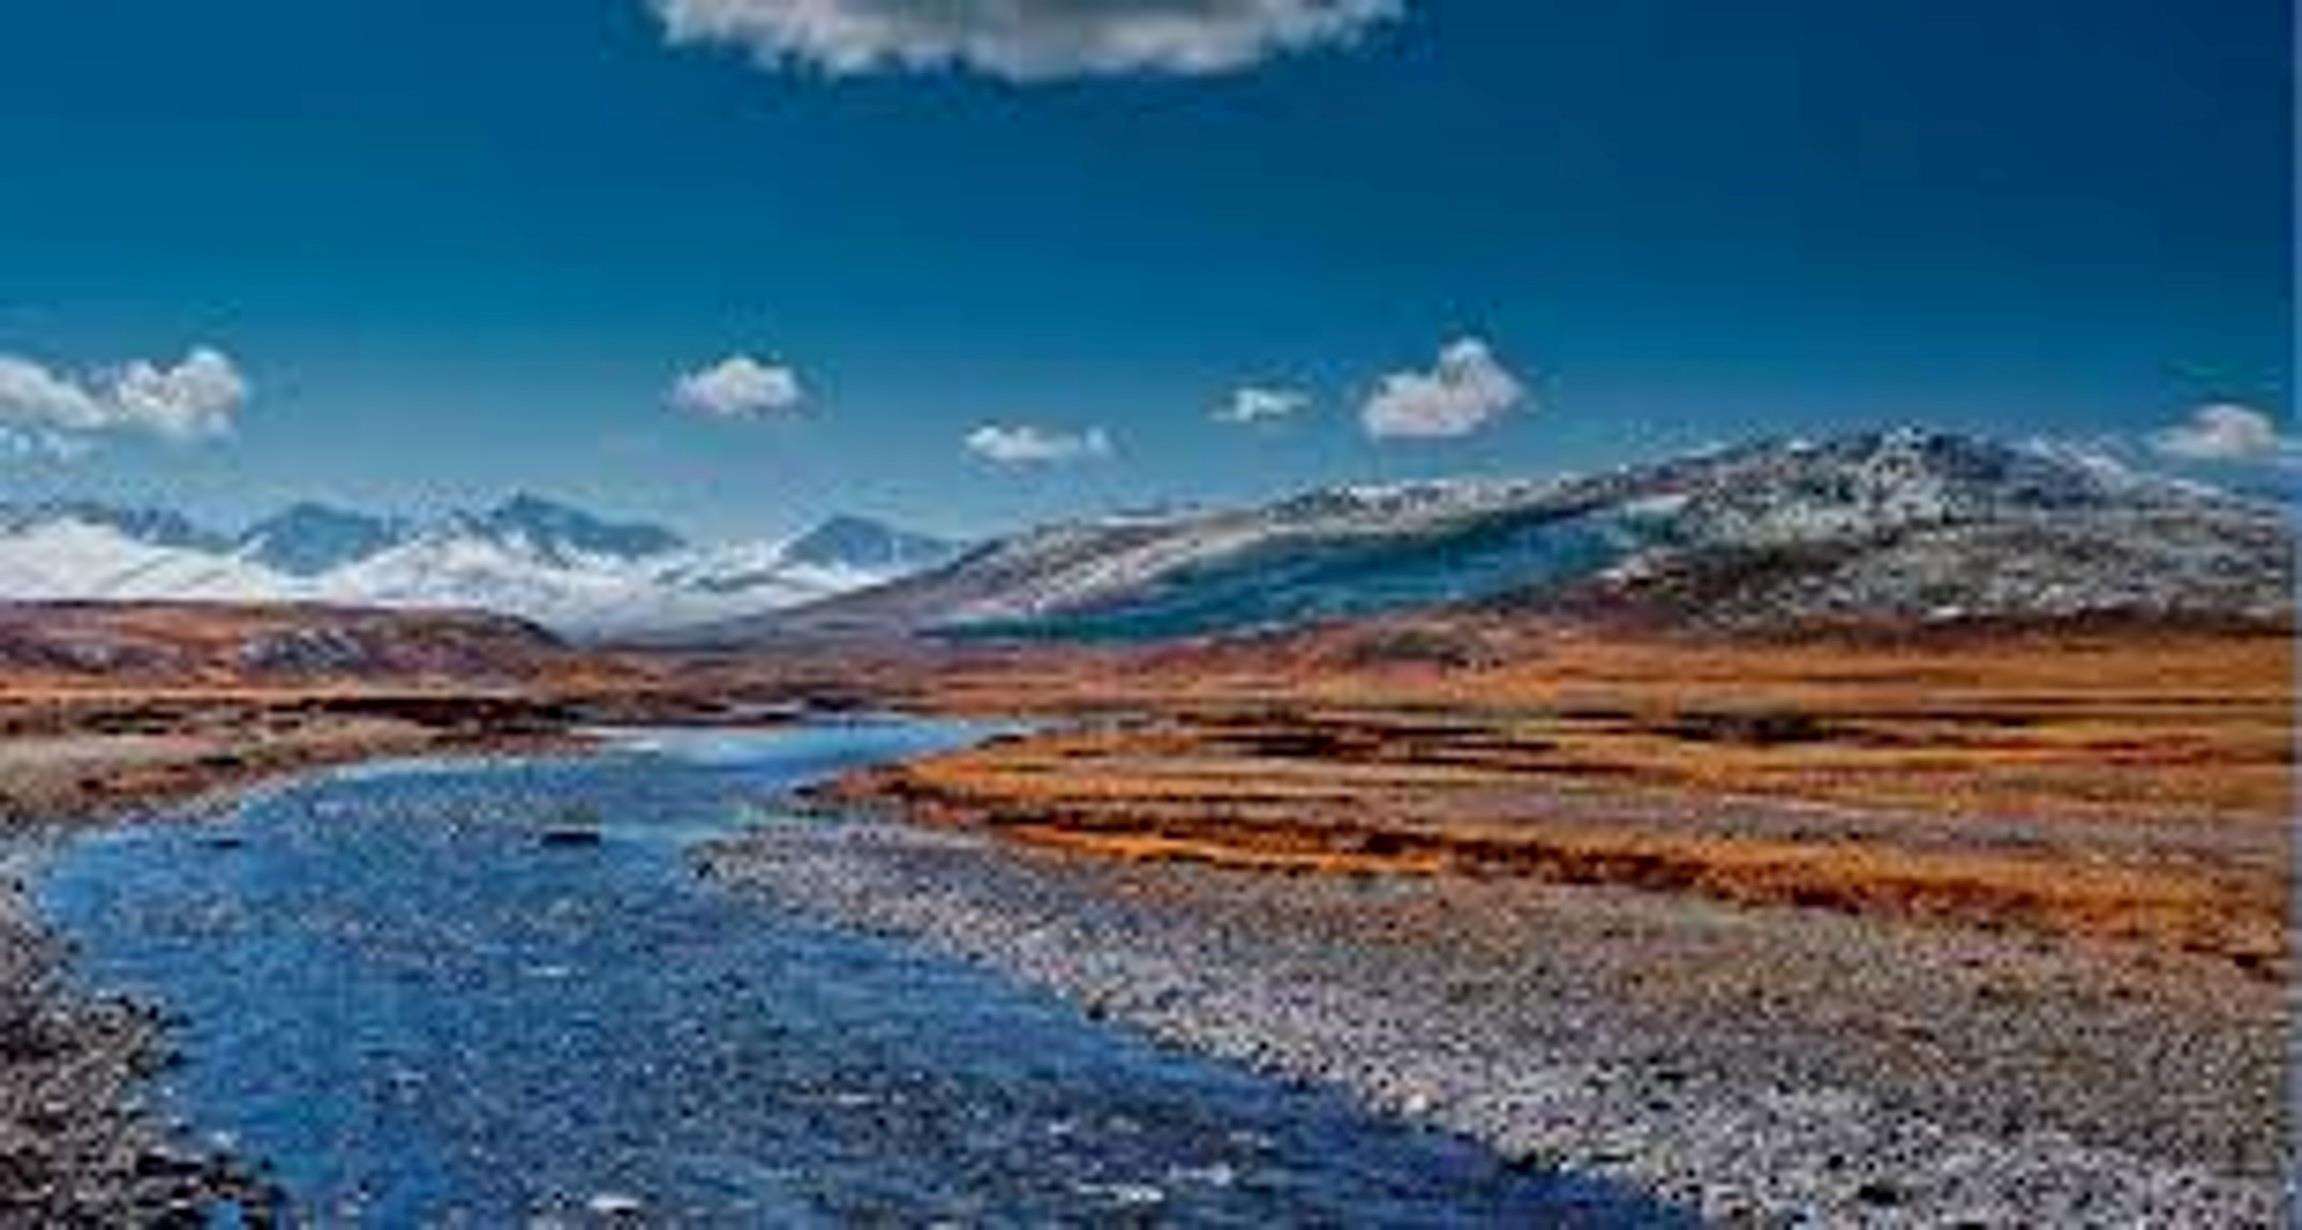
[
  {"x": 559, "y": 566},
  {"x": 1904, "y": 525}
]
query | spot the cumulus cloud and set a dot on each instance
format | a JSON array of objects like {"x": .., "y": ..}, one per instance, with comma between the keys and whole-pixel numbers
[
  {"x": 1466, "y": 390},
  {"x": 195, "y": 398},
  {"x": 1258, "y": 404},
  {"x": 1022, "y": 40},
  {"x": 738, "y": 386},
  {"x": 32, "y": 394},
  {"x": 1025, "y": 445},
  {"x": 2223, "y": 432}
]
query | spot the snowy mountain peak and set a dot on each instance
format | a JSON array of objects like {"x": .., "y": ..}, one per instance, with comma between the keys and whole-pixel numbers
[
  {"x": 530, "y": 557},
  {"x": 564, "y": 534},
  {"x": 307, "y": 539},
  {"x": 861, "y": 544},
  {"x": 157, "y": 527}
]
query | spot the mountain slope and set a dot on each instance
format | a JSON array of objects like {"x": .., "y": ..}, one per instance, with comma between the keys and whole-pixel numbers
[
  {"x": 308, "y": 539},
  {"x": 1902, "y": 524},
  {"x": 855, "y": 544},
  {"x": 562, "y": 534}
]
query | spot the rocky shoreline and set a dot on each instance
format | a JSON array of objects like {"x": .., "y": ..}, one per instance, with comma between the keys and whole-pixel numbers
[
  {"x": 1760, "y": 1066},
  {"x": 77, "y": 1145}
]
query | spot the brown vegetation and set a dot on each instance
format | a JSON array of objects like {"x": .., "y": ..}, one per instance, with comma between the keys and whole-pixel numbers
[
  {"x": 2115, "y": 781},
  {"x": 2107, "y": 782},
  {"x": 110, "y": 706}
]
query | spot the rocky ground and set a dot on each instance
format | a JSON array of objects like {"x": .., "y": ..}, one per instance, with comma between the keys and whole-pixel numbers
[
  {"x": 76, "y": 1146},
  {"x": 1759, "y": 1064}
]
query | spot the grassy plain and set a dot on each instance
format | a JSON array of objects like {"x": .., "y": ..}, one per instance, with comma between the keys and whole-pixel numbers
[{"x": 2106, "y": 782}]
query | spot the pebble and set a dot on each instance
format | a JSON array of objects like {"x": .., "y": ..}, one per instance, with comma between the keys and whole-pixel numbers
[
  {"x": 1265, "y": 975},
  {"x": 80, "y": 1148},
  {"x": 615, "y": 1204}
]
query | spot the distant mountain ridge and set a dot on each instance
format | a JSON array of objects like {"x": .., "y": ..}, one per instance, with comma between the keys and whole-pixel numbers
[
  {"x": 1896, "y": 525},
  {"x": 562, "y": 533},
  {"x": 158, "y": 526},
  {"x": 866, "y": 546},
  {"x": 528, "y": 557},
  {"x": 309, "y": 539}
]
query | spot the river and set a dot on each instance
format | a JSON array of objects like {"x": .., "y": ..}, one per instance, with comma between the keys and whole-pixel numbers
[{"x": 421, "y": 994}]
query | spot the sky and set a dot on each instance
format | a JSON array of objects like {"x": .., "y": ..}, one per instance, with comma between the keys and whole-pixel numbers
[{"x": 969, "y": 264}]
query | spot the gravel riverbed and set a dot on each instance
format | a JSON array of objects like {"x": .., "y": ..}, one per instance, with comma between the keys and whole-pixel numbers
[{"x": 1760, "y": 1066}]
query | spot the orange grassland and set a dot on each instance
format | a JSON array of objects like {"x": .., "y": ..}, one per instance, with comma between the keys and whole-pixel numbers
[{"x": 2114, "y": 783}]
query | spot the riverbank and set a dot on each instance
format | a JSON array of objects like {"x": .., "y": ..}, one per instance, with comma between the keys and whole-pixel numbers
[
  {"x": 77, "y": 1146},
  {"x": 420, "y": 1010},
  {"x": 69, "y": 760},
  {"x": 1902, "y": 926},
  {"x": 1753, "y": 1063}
]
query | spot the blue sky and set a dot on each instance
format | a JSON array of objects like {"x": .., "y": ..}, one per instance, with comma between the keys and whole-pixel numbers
[{"x": 454, "y": 249}]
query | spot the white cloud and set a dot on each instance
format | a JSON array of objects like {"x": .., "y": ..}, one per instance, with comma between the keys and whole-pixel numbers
[
  {"x": 1257, "y": 404},
  {"x": 738, "y": 387},
  {"x": 1464, "y": 392},
  {"x": 1025, "y": 445},
  {"x": 1022, "y": 40},
  {"x": 195, "y": 398},
  {"x": 2223, "y": 432},
  {"x": 32, "y": 394}
]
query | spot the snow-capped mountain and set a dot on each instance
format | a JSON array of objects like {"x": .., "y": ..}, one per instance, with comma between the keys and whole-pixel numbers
[
  {"x": 1901, "y": 524},
  {"x": 529, "y": 557},
  {"x": 855, "y": 544},
  {"x": 308, "y": 540},
  {"x": 73, "y": 552},
  {"x": 565, "y": 535},
  {"x": 157, "y": 526}
]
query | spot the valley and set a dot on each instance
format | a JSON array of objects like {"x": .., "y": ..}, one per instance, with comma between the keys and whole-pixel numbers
[
  {"x": 1876, "y": 806},
  {"x": 1143, "y": 613}
]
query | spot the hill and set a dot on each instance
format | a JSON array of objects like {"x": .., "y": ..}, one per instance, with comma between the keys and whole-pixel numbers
[{"x": 1899, "y": 525}]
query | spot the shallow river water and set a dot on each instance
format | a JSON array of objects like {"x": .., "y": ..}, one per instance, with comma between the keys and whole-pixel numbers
[{"x": 394, "y": 992}]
